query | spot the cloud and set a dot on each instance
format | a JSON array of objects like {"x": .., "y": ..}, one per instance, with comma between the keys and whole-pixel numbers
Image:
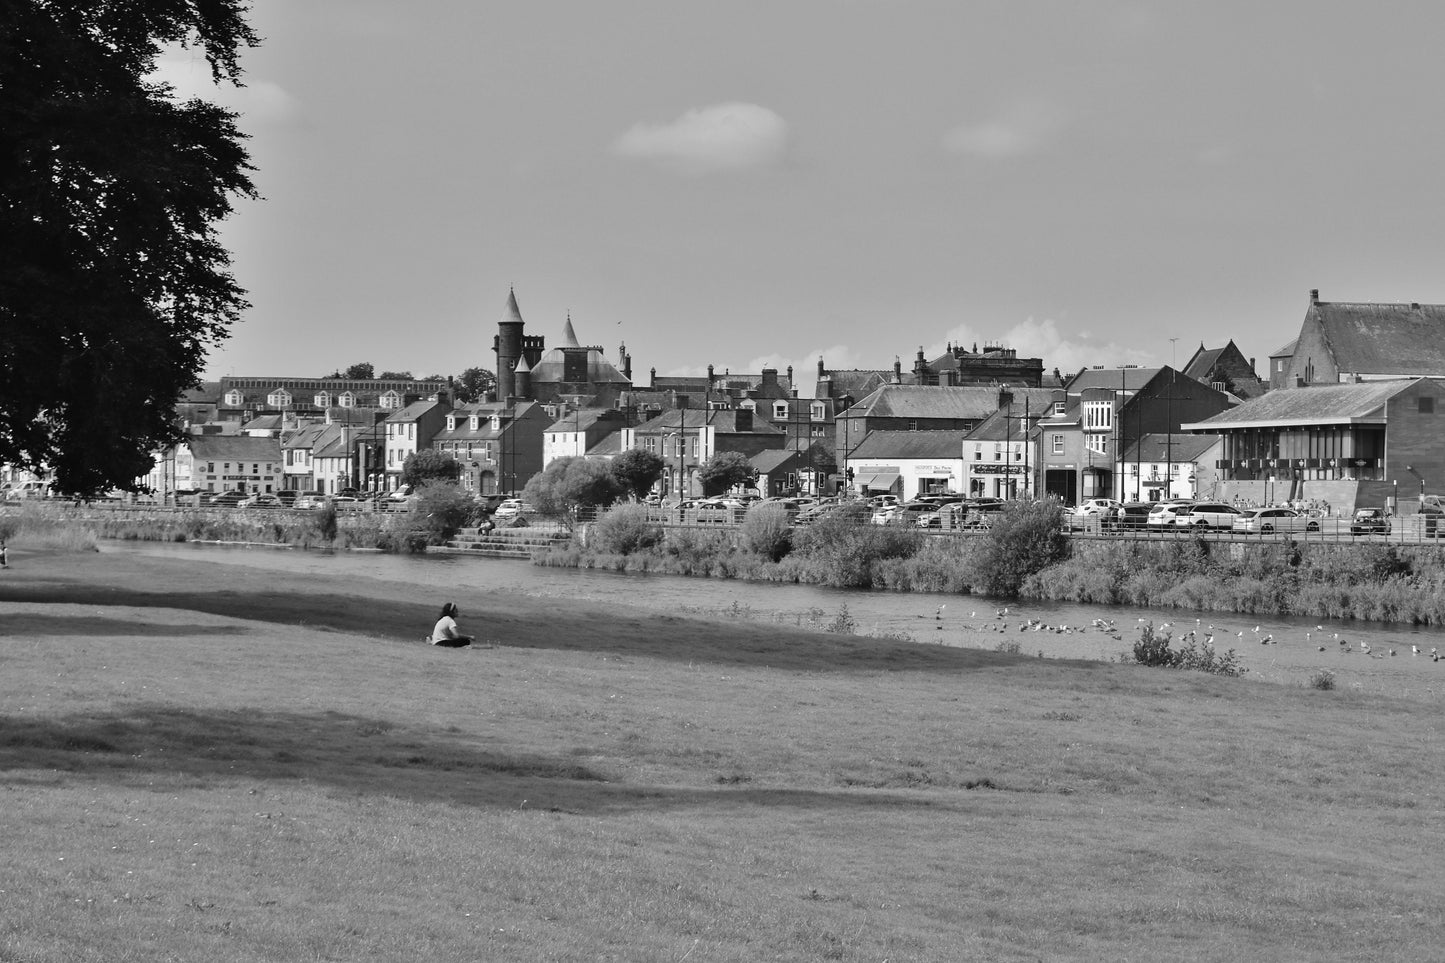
[
  {"x": 723, "y": 137},
  {"x": 1025, "y": 128},
  {"x": 259, "y": 102}
]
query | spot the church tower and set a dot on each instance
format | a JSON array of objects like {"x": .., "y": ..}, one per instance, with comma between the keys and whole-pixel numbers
[{"x": 511, "y": 346}]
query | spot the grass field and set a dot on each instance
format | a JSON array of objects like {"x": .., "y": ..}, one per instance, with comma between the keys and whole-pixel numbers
[{"x": 198, "y": 763}]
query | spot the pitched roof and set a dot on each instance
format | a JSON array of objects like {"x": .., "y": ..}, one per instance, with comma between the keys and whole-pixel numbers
[
  {"x": 415, "y": 410},
  {"x": 1125, "y": 378},
  {"x": 723, "y": 421},
  {"x": 773, "y": 459},
  {"x": 1311, "y": 405},
  {"x": 581, "y": 419},
  {"x": 1384, "y": 339},
  {"x": 234, "y": 448},
  {"x": 966, "y": 402},
  {"x": 910, "y": 444},
  {"x": 1199, "y": 366},
  {"x": 1165, "y": 447}
]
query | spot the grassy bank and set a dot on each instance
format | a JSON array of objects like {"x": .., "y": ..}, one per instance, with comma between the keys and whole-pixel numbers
[{"x": 204, "y": 763}]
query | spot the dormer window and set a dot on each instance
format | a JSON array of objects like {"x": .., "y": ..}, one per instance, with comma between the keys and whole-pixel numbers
[
  {"x": 474, "y": 422},
  {"x": 346, "y": 400},
  {"x": 780, "y": 410},
  {"x": 451, "y": 423},
  {"x": 496, "y": 422},
  {"x": 280, "y": 398},
  {"x": 390, "y": 399},
  {"x": 818, "y": 411},
  {"x": 234, "y": 399},
  {"x": 322, "y": 399},
  {"x": 1059, "y": 407}
]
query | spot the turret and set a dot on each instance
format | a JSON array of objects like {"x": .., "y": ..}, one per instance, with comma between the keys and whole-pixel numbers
[{"x": 508, "y": 346}]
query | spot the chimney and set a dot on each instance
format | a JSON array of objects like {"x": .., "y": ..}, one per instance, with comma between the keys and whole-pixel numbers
[
  {"x": 709, "y": 374},
  {"x": 1314, "y": 295},
  {"x": 897, "y": 372},
  {"x": 820, "y": 366},
  {"x": 1005, "y": 398},
  {"x": 770, "y": 378},
  {"x": 790, "y": 369},
  {"x": 743, "y": 419}
]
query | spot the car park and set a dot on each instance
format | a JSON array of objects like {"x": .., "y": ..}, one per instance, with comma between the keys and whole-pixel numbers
[
  {"x": 1207, "y": 515},
  {"x": 1370, "y": 521},
  {"x": 1267, "y": 521}
]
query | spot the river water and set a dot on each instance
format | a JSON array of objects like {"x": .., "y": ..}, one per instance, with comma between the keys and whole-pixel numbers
[{"x": 1053, "y": 630}]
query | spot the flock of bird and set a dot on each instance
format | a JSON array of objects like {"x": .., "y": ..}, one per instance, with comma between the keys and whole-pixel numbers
[{"x": 1200, "y": 633}]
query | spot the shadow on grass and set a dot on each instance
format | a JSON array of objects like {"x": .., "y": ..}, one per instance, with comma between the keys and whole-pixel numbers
[
  {"x": 160, "y": 747},
  {"x": 86, "y": 626},
  {"x": 525, "y": 622}
]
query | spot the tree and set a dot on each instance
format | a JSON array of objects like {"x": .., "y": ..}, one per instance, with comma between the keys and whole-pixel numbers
[
  {"x": 724, "y": 470},
  {"x": 570, "y": 483},
  {"x": 637, "y": 471},
  {"x": 474, "y": 384},
  {"x": 395, "y": 376},
  {"x": 429, "y": 465},
  {"x": 361, "y": 371},
  {"x": 113, "y": 280}
]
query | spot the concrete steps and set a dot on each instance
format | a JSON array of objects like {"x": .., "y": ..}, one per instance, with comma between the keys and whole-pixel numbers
[{"x": 502, "y": 543}]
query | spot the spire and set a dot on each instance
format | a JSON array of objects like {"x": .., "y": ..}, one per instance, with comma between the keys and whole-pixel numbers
[
  {"x": 522, "y": 366},
  {"x": 569, "y": 337},
  {"x": 513, "y": 313}
]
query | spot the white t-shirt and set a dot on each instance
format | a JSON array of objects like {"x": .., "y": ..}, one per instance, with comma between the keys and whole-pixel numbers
[{"x": 446, "y": 628}]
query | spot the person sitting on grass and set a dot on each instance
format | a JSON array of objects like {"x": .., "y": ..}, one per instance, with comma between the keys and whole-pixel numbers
[{"x": 445, "y": 632}]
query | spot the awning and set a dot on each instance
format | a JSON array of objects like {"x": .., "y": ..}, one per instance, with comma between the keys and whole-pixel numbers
[{"x": 885, "y": 480}]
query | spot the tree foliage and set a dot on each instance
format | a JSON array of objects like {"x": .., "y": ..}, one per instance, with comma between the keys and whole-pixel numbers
[
  {"x": 442, "y": 509},
  {"x": 567, "y": 484},
  {"x": 724, "y": 470},
  {"x": 429, "y": 465},
  {"x": 113, "y": 280},
  {"x": 474, "y": 384},
  {"x": 361, "y": 371},
  {"x": 395, "y": 376},
  {"x": 637, "y": 471}
]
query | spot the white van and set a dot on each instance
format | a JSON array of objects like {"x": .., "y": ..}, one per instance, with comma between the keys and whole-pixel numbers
[{"x": 26, "y": 489}]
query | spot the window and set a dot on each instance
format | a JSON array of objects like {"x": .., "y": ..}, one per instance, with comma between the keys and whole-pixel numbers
[
  {"x": 411, "y": 431},
  {"x": 451, "y": 423},
  {"x": 234, "y": 398},
  {"x": 1098, "y": 416},
  {"x": 1060, "y": 406},
  {"x": 780, "y": 410},
  {"x": 281, "y": 398},
  {"x": 650, "y": 444},
  {"x": 391, "y": 400},
  {"x": 347, "y": 400},
  {"x": 1058, "y": 444},
  {"x": 1427, "y": 406},
  {"x": 817, "y": 411},
  {"x": 912, "y": 425},
  {"x": 322, "y": 399}
]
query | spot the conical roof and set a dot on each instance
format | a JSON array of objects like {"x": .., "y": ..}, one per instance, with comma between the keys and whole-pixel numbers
[
  {"x": 569, "y": 337},
  {"x": 522, "y": 365},
  {"x": 513, "y": 313}
]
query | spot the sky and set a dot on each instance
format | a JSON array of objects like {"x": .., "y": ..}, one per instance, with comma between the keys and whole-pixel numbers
[{"x": 750, "y": 184}]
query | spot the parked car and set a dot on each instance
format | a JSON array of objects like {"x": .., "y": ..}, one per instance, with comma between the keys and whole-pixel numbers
[
  {"x": 309, "y": 499},
  {"x": 883, "y": 514},
  {"x": 1166, "y": 512},
  {"x": 224, "y": 499},
  {"x": 288, "y": 498},
  {"x": 1266, "y": 521},
  {"x": 1207, "y": 515},
  {"x": 1370, "y": 521},
  {"x": 1135, "y": 514},
  {"x": 260, "y": 501},
  {"x": 878, "y": 501},
  {"x": 510, "y": 509},
  {"x": 1105, "y": 507}
]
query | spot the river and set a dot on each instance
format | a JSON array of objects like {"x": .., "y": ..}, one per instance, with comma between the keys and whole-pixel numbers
[{"x": 1054, "y": 630}]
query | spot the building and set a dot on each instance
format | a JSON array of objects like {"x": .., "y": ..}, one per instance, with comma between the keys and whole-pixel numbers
[
  {"x": 498, "y": 444},
  {"x": 577, "y": 432},
  {"x": 572, "y": 372},
  {"x": 685, "y": 439},
  {"x": 1101, "y": 412},
  {"x": 231, "y": 463},
  {"x": 1000, "y": 456},
  {"x": 995, "y": 365},
  {"x": 1341, "y": 342},
  {"x": 1160, "y": 466},
  {"x": 907, "y": 463},
  {"x": 1350, "y": 445},
  {"x": 1227, "y": 370},
  {"x": 411, "y": 429}
]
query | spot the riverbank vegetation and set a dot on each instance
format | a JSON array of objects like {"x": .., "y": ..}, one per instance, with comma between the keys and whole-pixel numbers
[
  {"x": 1025, "y": 555},
  {"x": 313, "y": 781}
]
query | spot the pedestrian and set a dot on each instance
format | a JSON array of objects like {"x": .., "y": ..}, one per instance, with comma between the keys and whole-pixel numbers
[
  {"x": 445, "y": 632},
  {"x": 4, "y": 555}
]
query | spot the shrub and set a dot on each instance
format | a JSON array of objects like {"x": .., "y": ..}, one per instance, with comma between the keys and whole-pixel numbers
[
  {"x": 1322, "y": 679},
  {"x": 624, "y": 529},
  {"x": 767, "y": 531},
  {"x": 324, "y": 522},
  {"x": 442, "y": 509},
  {"x": 841, "y": 549},
  {"x": 1026, "y": 538},
  {"x": 1156, "y": 650}
]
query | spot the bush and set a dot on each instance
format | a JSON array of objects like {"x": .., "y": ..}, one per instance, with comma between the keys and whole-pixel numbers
[
  {"x": 767, "y": 531},
  {"x": 442, "y": 509},
  {"x": 1322, "y": 679},
  {"x": 1156, "y": 650},
  {"x": 324, "y": 522},
  {"x": 623, "y": 530},
  {"x": 1026, "y": 538},
  {"x": 841, "y": 549}
]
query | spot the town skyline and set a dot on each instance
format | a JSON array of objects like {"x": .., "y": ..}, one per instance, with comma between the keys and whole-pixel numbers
[{"x": 763, "y": 186}]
